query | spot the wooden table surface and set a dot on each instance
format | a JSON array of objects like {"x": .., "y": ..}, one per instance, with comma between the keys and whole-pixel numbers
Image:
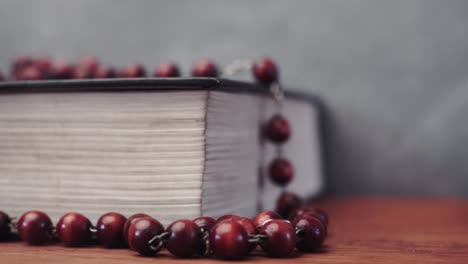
[{"x": 362, "y": 230}]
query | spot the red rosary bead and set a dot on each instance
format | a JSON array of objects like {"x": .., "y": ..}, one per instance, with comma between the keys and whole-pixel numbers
[
  {"x": 249, "y": 227},
  {"x": 133, "y": 71},
  {"x": 322, "y": 215},
  {"x": 129, "y": 222},
  {"x": 141, "y": 232},
  {"x": 4, "y": 226},
  {"x": 281, "y": 171},
  {"x": 21, "y": 62},
  {"x": 105, "y": 72},
  {"x": 265, "y": 71},
  {"x": 287, "y": 203},
  {"x": 74, "y": 230},
  {"x": 167, "y": 69},
  {"x": 316, "y": 212},
  {"x": 30, "y": 73},
  {"x": 82, "y": 73},
  {"x": 205, "y": 68},
  {"x": 205, "y": 222},
  {"x": 110, "y": 228},
  {"x": 228, "y": 217},
  {"x": 35, "y": 227},
  {"x": 312, "y": 233},
  {"x": 280, "y": 238},
  {"x": 89, "y": 63},
  {"x": 185, "y": 239},
  {"x": 229, "y": 240},
  {"x": 278, "y": 129},
  {"x": 262, "y": 217},
  {"x": 44, "y": 65},
  {"x": 62, "y": 70}
]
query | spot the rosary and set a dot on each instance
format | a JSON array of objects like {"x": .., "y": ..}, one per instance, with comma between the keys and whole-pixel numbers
[{"x": 293, "y": 225}]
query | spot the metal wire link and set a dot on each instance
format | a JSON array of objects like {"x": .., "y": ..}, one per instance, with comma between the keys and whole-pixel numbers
[
  {"x": 14, "y": 224},
  {"x": 277, "y": 92},
  {"x": 300, "y": 233},
  {"x": 237, "y": 66},
  {"x": 257, "y": 239},
  {"x": 205, "y": 239},
  {"x": 157, "y": 242}
]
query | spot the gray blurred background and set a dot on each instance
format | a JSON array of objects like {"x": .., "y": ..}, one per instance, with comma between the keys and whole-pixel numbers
[{"x": 394, "y": 74}]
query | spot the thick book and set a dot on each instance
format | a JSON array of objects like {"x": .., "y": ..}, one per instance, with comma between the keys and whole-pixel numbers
[{"x": 173, "y": 148}]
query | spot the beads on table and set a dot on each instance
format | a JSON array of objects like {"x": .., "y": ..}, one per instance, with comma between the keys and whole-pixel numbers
[
  {"x": 204, "y": 222},
  {"x": 311, "y": 233},
  {"x": 185, "y": 238},
  {"x": 140, "y": 234},
  {"x": 231, "y": 237},
  {"x": 35, "y": 228},
  {"x": 288, "y": 202},
  {"x": 280, "y": 238},
  {"x": 229, "y": 240},
  {"x": 4, "y": 226},
  {"x": 129, "y": 222},
  {"x": 110, "y": 228},
  {"x": 74, "y": 230},
  {"x": 227, "y": 217},
  {"x": 262, "y": 217}
]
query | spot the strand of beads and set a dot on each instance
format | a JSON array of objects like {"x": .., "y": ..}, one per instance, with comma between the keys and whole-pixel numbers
[
  {"x": 228, "y": 237},
  {"x": 29, "y": 68}
]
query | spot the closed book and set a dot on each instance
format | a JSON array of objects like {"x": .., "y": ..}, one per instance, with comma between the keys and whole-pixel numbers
[{"x": 172, "y": 148}]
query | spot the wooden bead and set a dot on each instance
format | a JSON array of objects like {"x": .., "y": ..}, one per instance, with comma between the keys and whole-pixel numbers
[
  {"x": 74, "y": 230},
  {"x": 21, "y": 62},
  {"x": 82, "y": 73},
  {"x": 281, "y": 171},
  {"x": 141, "y": 232},
  {"x": 229, "y": 240},
  {"x": 62, "y": 70},
  {"x": 280, "y": 238},
  {"x": 4, "y": 226},
  {"x": 228, "y": 217},
  {"x": 265, "y": 71},
  {"x": 129, "y": 222},
  {"x": 249, "y": 227},
  {"x": 288, "y": 202},
  {"x": 133, "y": 71},
  {"x": 29, "y": 73},
  {"x": 312, "y": 233},
  {"x": 316, "y": 212},
  {"x": 204, "y": 222},
  {"x": 205, "y": 68},
  {"x": 110, "y": 230},
  {"x": 185, "y": 239},
  {"x": 323, "y": 216},
  {"x": 262, "y": 217},
  {"x": 89, "y": 63},
  {"x": 105, "y": 73},
  {"x": 278, "y": 129},
  {"x": 167, "y": 70},
  {"x": 35, "y": 227}
]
